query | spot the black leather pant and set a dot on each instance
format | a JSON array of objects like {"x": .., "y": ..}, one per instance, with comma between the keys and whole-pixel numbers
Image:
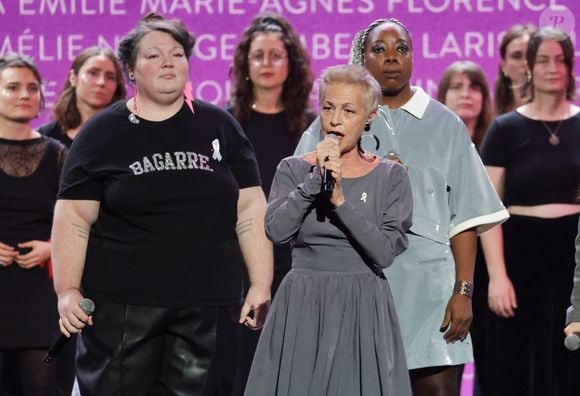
[{"x": 139, "y": 350}]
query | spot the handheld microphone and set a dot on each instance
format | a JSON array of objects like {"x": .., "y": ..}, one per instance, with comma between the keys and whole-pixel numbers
[
  {"x": 327, "y": 179},
  {"x": 572, "y": 342},
  {"x": 88, "y": 307}
]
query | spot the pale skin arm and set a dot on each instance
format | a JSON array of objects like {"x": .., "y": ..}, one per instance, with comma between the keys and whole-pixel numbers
[
  {"x": 501, "y": 294},
  {"x": 70, "y": 235},
  {"x": 458, "y": 313},
  {"x": 257, "y": 252}
]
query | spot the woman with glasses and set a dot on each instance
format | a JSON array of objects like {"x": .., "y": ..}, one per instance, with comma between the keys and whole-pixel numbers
[{"x": 272, "y": 84}]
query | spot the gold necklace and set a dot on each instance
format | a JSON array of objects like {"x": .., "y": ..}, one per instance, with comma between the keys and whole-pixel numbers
[{"x": 553, "y": 139}]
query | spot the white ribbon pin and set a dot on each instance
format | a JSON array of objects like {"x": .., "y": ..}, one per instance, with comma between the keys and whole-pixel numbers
[
  {"x": 363, "y": 197},
  {"x": 216, "y": 150}
]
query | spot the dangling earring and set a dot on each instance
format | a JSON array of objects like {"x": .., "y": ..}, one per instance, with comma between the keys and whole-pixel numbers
[
  {"x": 368, "y": 126},
  {"x": 133, "y": 115},
  {"x": 528, "y": 75}
]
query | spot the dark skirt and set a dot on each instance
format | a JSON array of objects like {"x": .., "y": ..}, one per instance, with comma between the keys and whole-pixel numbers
[{"x": 525, "y": 355}]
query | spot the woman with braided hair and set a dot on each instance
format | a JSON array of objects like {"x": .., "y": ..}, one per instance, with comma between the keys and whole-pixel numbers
[{"x": 453, "y": 201}]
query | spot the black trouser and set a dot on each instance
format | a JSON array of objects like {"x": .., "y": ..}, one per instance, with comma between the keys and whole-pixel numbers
[{"x": 140, "y": 350}]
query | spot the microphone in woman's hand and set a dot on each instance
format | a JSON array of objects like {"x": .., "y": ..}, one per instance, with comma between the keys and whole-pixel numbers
[
  {"x": 572, "y": 342},
  {"x": 327, "y": 179},
  {"x": 88, "y": 307}
]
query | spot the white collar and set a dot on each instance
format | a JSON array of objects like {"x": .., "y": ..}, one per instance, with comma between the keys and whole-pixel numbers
[{"x": 418, "y": 103}]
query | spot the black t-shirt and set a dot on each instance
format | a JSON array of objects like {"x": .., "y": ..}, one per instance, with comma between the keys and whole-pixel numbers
[
  {"x": 537, "y": 172},
  {"x": 168, "y": 191},
  {"x": 272, "y": 141},
  {"x": 54, "y": 131}
]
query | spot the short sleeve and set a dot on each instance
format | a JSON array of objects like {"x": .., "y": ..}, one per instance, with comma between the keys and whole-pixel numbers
[
  {"x": 473, "y": 201},
  {"x": 494, "y": 148},
  {"x": 242, "y": 159},
  {"x": 80, "y": 180},
  {"x": 309, "y": 138}
]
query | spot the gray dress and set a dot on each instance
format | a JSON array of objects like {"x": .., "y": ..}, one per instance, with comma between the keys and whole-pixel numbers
[{"x": 332, "y": 328}]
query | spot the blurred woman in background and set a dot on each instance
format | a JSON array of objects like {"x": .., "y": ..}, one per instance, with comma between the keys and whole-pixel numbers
[
  {"x": 464, "y": 90},
  {"x": 94, "y": 81},
  {"x": 510, "y": 91}
]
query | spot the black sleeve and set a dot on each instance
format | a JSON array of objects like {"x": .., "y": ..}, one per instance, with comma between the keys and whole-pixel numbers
[
  {"x": 242, "y": 158},
  {"x": 80, "y": 178},
  {"x": 494, "y": 151}
]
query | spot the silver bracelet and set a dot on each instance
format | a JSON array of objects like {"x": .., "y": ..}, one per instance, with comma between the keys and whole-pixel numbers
[{"x": 463, "y": 287}]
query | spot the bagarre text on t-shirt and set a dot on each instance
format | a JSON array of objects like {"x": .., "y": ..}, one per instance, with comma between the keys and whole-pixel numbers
[{"x": 178, "y": 160}]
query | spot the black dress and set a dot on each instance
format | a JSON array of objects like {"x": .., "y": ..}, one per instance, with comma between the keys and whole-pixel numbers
[
  {"x": 525, "y": 354},
  {"x": 29, "y": 178}
]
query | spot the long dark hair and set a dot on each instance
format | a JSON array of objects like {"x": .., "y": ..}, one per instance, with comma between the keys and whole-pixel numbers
[
  {"x": 550, "y": 33},
  {"x": 298, "y": 84},
  {"x": 503, "y": 91},
  {"x": 65, "y": 110},
  {"x": 476, "y": 77}
]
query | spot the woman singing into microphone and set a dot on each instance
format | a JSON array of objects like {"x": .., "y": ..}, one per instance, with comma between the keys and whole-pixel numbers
[{"x": 333, "y": 329}]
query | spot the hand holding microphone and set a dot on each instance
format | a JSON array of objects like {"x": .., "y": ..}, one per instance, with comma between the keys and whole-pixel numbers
[
  {"x": 325, "y": 151},
  {"x": 88, "y": 307}
]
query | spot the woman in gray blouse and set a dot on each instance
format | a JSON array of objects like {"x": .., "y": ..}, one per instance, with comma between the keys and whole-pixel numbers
[{"x": 332, "y": 328}]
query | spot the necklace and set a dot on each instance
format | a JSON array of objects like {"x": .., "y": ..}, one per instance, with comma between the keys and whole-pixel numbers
[{"x": 553, "y": 139}]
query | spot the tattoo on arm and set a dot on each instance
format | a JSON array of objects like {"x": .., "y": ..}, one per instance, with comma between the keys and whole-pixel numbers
[
  {"x": 82, "y": 231},
  {"x": 244, "y": 226}
]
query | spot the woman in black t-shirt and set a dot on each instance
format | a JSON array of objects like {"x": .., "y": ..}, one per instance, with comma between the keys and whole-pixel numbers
[
  {"x": 272, "y": 84},
  {"x": 159, "y": 208},
  {"x": 30, "y": 167},
  {"x": 532, "y": 156}
]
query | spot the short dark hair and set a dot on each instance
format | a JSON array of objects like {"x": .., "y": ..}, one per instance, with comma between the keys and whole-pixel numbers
[
  {"x": 153, "y": 22},
  {"x": 476, "y": 76},
  {"x": 562, "y": 38},
  {"x": 65, "y": 110},
  {"x": 19, "y": 61}
]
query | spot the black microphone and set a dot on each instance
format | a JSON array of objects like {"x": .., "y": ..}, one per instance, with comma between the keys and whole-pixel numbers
[
  {"x": 572, "y": 342},
  {"x": 88, "y": 307},
  {"x": 327, "y": 179}
]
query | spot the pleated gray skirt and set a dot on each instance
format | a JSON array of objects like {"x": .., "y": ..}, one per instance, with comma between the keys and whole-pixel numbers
[{"x": 330, "y": 333}]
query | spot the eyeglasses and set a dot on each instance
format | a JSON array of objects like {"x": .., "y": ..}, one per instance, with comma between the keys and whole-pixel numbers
[{"x": 275, "y": 58}]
